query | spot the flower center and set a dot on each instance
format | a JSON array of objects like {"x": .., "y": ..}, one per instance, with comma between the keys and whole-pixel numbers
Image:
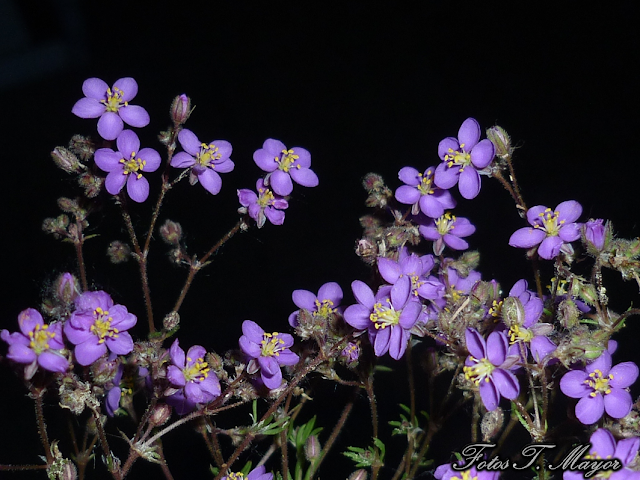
[
  {"x": 466, "y": 475},
  {"x": 425, "y": 183},
  {"x": 114, "y": 100},
  {"x": 550, "y": 222},
  {"x": 287, "y": 160},
  {"x": 455, "y": 157},
  {"x": 517, "y": 334},
  {"x": 324, "y": 308},
  {"x": 235, "y": 476},
  {"x": 197, "y": 371},
  {"x": 384, "y": 316},
  {"x": 496, "y": 308},
  {"x": 265, "y": 197},
  {"x": 481, "y": 369},
  {"x": 39, "y": 338},
  {"x": 133, "y": 165},
  {"x": 102, "y": 325},
  {"x": 599, "y": 383},
  {"x": 208, "y": 155},
  {"x": 272, "y": 345},
  {"x": 445, "y": 223}
]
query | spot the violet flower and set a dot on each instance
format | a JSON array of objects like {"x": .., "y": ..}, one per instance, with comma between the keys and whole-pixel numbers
[
  {"x": 600, "y": 388},
  {"x": 462, "y": 157},
  {"x": 111, "y": 105},
  {"x": 267, "y": 352},
  {"x": 387, "y": 316},
  {"x": 595, "y": 233},
  {"x": 207, "y": 160},
  {"x": 265, "y": 205},
  {"x": 98, "y": 326},
  {"x": 283, "y": 165},
  {"x": 420, "y": 192},
  {"x": 258, "y": 473},
  {"x": 604, "y": 446},
  {"x": 446, "y": 472},
  {"x": 326, "y": 303},
  {"x": 411, "y": 269},
  {"x": 487, "y": 366},
  {"x": 552, "y": 230},
  {"x": 447, "y": 230},
  {"x": 36, "y": 344},
  {"x": 191, "y": 375},
  {"x": 126, "y": 166}
]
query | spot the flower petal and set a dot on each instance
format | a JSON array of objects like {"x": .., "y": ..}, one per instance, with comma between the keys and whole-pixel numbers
[
  {"x": 617, "y": 403},
  {"x": 137, "y": 188},
  {"x": 526, "y": 237},
  {"x": 590, "y": 409},
  {"x": 506, "y": 383},
  {"x": 211, "y": 181},
  {"x": 189, "y": 142},
  {"x": 95, "y": 88},
  {"x": 281, "y": 183},
  {"x": 623, "y": 375},
  {"x": 88, "y": 108},
  {"x": 483, "y": 153},
  {"x": 469, "y": 134},
  {"x": 304, "y": 299},
  {"x": 469, "y": 183},
  {"x": 304, "y": 176},
  {"x": 572, "y": 384},
  {"x": 128, "y": 86},
  {"x": 110, "y": 125}
]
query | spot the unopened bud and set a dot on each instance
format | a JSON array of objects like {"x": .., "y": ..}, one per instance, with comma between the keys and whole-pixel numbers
[
  {"x": 68, "y": 205},
  {"x": 501, "y": 140},
  {"x": 513, "y": 311},
  {"x": 69, "y": 471},
  {"x": 67, "y": 288},
  {"x": 92, "y": 184},
  {"x": 358, "y": 475},
  {"x": 118, "y": 252},
  {"x": 160, "y": 415},
  {"x": 367, "y": 250},
  {"x": 180, "y": 109},
  {"x": 312, "y": 448},
  {"x": 82, "y": 146},
  {"x": 372, "y": 182},
  {"x": 171, "y": 232},
  {"x": 596, "y": 235},
  {"x": 491, "y": 424},
  {"x": 66, "y": 160},
  {"x": 171, "y": 321},
  {"x": 103, "y": 371}
]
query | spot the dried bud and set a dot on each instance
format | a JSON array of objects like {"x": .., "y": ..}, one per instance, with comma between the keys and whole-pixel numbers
[
  {"x": 160, "y": 415},
  {"x": 82, "y": 146},
  {"x": 164, "y": 137},
  {"x": 215, "y": 362},
  {"x": 180, "y": 109},
  {"x": 350, "y": 354},
  {"x": 358, "y": 475},
  {"x": 103, "y": 371},
  {"x": 92, "y": 184},
  {"x": 466, "y": 262},
  {"x": 67, "y": 205},
  {"x": 171, "y": 321},
  {"x": 118, "y": 252},
  {"x": 501, "y": 140},
  {"x": 312, "y": 448},
  {"x": 66, "y": 160},
  {"x": 367, "y": 250},
  {"x": 372, "y": 182},
  {"x": 492, "y": 424},
  {"x": 568, "y": 313},
  {"x": 171, "y": 233},
  {"x": 67, "y": 288}
]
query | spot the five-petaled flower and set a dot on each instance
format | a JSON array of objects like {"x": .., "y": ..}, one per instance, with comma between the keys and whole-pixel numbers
[
  {"x": 284, "y": 164},
  {"x": 388, "y": 316},
  {"x": 447, "y": 230},
  {"x": 552, "y": 229},
  {"x": 447, "y": 472},
  {"x": 111, "y": 105},
  {"x": 126, "y": 166},
  {"x": 258, "y": 473},
  {"x": 37, "y": 343},
  {"x": 487, "y": 367},
  {"x": 207, "y": 160},
  {"x": 267, "y": 351},
  {"x": 326, "y": 303},
  {"x": 600, "y": 388},
  {"x": 266, "y": 204},
  {"x": 461, "y": 157},
  {"x": 98, "y": 325},
  {"x": 195, "y": 382},
  {"x": 420, "y": 192}
]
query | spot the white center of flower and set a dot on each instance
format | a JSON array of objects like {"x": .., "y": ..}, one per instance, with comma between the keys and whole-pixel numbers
[
  {"x": 598, "y": 382},
  {"x": 460, "y": 158},
  {"x": 445, "y": 223},
  {"x": 550, "y": 222},
  {"x": 102, "y": 325},
  {"x": 519, "y": 334},
  {"x": 271, "y": 345},
  {"x": 425, "y": 183},
  {"x": 197, "y": 371},
  {"x": 265, "y": 197},
  {"x": 133, "y": 165},
  {"x": 286, "y": 160},
  {"x": 208, "y": 154},
  {"x": 39, "y": 338},
  {"x": 114, "y": 100},
  {"x": 481, "y": 370},
  {"x": 383, "y": 316}
]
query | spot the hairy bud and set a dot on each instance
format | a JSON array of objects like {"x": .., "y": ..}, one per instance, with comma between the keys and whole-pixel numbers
[
  {"x": 171, "y": 321},
  {"x": 312, "y": 448},
  {"x": 118, "y": 252},
  {"x": 492, "y": 424},
  {"x": 171, "y": 233},
  {"x": 358, "y": 475},
  {"x": 180, "y": 109},
  {"x": 82, "y": 146},
  {"x": 66, "y": 160},
  {"x": 501, "y": 140},
  {"x": 160, "y": 415}
]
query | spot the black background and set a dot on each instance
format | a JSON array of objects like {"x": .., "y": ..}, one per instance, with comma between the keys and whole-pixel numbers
[{"x": 364, "y": 88}]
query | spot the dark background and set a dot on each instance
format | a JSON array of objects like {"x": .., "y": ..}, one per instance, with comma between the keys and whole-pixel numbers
[{"x": 363, "y": 87}]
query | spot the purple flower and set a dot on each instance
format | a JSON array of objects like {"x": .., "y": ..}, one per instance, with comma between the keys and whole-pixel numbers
[
  {"x": 351, "y": 353},
  {"x": 461, "y": 157},
  {"x": 388, "y": 316},
  {"x": 191, "y": 375},
  {"x": 265, "y": 204},
  {"x": 126, "y": 166},
  {"x": 258, "y": 473},
  {"x": 111, "y": 105},
  {"x": 600, "y": 388},
  {"x": 552, "y": 230},
  {"x": 267, "y": 352},
  {"x": 36, "y": 343},
  {"x": 595, "y": 233},
  {"x": 446, "y": 472},
  {"x": 487, "y": 367},
  {"x": 326, "y": 303},
  {"x": 604, "y": 446},
  {"x": 97, "y": 325},
  {"x": 207, "y": 160},
  {"x": 283, "y": 165},
  {"x": 413, "y": 270},
  {"x": 447, "y": 230},
  {"x": 421, "y": 194}
]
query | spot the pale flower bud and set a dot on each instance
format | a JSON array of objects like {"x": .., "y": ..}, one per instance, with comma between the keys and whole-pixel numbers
[{"x": 180, "y": 109}]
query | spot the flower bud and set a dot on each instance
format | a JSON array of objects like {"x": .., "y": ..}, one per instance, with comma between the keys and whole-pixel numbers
[
  {"x": 69, "y": 471},
  {"x": 171, "y": 321},
  {"x": 103, "y": 371},
  {"x": 180, "y": 109},
  {"x": 312, "y": 448},
  {"x": 160, "y": 415},
  {"x": 501, "y": 140},
  {"x": 67, "y": 288},
  {"x": 66, "y": 160},
  {"x": 512, "y": 311},
  {"x": 367, "y": 250},
  {"x": 118, "y": 252},
  {"x": 372, "y": 182},
  {"x": 595, "y": 235},
  {"x": 358, "y": 475},
  {"x": 351, "y": 353},
  {"x": 92, "y": 184},
  {"x": 491, "y": 424},
  {"x": 82, "y": 146},
  {"x": 171, "y": 232}
]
